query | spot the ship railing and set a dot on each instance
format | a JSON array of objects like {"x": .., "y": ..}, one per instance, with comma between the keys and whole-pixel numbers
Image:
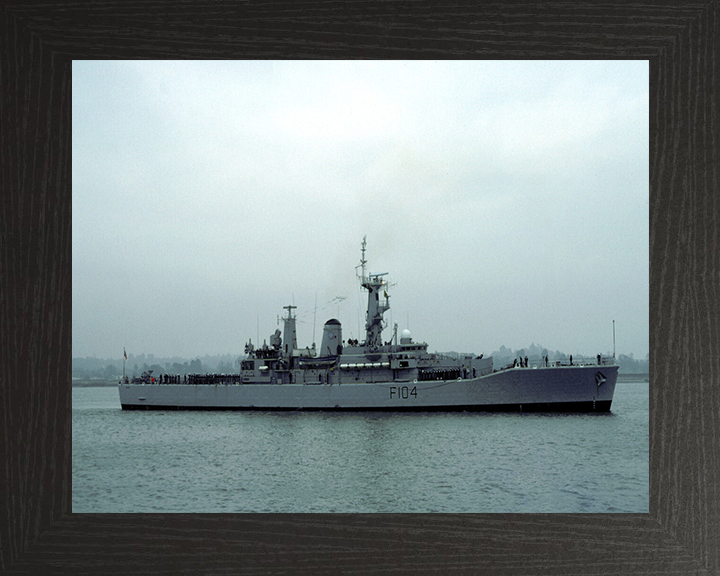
[
  {"x": 592, "y": 360},
  {"x": 582, "y": 361},
  {"x": 553, "y": 363}
]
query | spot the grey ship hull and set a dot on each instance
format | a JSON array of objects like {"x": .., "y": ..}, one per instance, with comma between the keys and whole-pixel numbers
[{"x": 555, "y": 389}]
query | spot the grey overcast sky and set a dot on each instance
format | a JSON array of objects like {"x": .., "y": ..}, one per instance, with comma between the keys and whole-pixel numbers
[{"x": 508, "y": 201}]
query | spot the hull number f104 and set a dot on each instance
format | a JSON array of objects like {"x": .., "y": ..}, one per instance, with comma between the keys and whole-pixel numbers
[{"x": 403, "y": 392}]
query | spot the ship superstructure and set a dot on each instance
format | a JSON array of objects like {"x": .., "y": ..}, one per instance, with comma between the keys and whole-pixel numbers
[{"x": 377, "y": 375}]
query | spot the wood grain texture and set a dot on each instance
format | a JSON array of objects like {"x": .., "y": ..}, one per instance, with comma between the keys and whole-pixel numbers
[{"x": 39, "y": 535}]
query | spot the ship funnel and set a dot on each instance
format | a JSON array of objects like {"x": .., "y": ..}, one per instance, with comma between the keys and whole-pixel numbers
[{"x": 332, "y": 339}]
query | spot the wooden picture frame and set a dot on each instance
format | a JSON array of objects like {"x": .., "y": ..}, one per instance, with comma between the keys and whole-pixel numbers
[{"x": 38, "y": 532}]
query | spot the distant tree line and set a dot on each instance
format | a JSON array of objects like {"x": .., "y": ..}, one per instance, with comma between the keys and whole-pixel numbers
[
  {"x": 629, "y": 365},
  {"x": 104, "y": 369},
  {"x": 535, "y": 353}
]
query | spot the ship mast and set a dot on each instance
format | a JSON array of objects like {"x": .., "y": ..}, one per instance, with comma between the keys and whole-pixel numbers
[{"x": 373, "y": 283}]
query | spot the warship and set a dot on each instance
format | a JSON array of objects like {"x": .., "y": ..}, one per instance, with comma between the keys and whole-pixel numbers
[{"x": 369, "y": 375}]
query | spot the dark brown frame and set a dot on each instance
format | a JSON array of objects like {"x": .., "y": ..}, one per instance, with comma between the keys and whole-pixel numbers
[{"x": 39, "y": 535}]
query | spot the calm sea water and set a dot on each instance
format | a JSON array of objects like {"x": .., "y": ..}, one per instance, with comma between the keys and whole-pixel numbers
[{"x": 130, "y": 461}]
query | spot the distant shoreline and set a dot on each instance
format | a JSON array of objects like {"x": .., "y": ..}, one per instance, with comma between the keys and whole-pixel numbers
[
  {"x": 93, "y": 383},
  {"x": 634, "y": 377}
]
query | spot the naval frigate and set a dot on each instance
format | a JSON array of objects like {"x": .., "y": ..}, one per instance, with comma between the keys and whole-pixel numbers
[{"x": 375, "y": 375}]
